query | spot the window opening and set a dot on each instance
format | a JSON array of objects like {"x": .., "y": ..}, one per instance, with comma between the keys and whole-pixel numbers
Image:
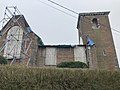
[{"x": 95, "y": 23}]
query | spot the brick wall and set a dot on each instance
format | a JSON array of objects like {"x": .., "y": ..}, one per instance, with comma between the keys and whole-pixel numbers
[
  {"x": 63, "y": 54},
  {"x": 27, "y": 37},
  {"x": 102, "y": 37}
]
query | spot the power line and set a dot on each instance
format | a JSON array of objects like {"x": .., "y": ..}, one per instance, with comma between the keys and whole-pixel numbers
[
  {"x": 105, "y": 25},
  {"x": 72, "y": 12},
  {"x": 78, "y": 13},
  {"x": 57, "y": 9},
  {"x": 63, "y": 7}
]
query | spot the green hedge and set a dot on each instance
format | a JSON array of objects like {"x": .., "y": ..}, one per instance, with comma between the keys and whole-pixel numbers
[
  {"x": 3, "y": 60},
  {"x": 74, "y": 64},
  {"x": 24, "y": 78}
]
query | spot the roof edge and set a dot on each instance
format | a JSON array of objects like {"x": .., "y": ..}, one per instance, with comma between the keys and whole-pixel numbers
[
  {"x": 94, "y": 13},
  {"x": 62, "y": 46},
  {"x": 91, "y": 14}
]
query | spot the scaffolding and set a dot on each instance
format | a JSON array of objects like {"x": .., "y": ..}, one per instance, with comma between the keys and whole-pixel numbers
[{"x": 15, "y": 40}]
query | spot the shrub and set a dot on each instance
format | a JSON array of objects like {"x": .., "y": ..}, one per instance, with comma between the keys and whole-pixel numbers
[
  {"x": 28, "y": 78},
  {"x": 3, "y": 60},
  {"x": 75, "y": 64}
]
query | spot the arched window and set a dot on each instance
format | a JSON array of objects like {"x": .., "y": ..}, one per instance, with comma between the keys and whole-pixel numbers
[
  {"x": 95, "y": 23},
  {"x": 13, "y": 43}
]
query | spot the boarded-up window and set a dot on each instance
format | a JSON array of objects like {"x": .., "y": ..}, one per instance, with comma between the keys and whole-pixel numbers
[
  {"x": 13, "y": 43},
  {"x": 50, "y": 56},
  {"x": 79, "y": 54}
]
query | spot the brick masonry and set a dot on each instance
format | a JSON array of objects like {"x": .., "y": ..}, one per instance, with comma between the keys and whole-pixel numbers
[
  {"x": 63, "y": 54},
  {"x": 103, "y": 54},
  {"x": 102, "y": 38}
]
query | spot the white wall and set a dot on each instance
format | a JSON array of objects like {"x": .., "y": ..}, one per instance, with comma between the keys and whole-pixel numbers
[
  {"x": 51, "y": 56},
  {"x": 79, "y": 54}
]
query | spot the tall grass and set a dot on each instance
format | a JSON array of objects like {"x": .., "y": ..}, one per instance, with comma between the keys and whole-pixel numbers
[{"x": 28, "y": 78}]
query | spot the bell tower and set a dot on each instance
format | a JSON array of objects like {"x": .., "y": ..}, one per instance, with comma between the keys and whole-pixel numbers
[{"x": 94, "y": 29}]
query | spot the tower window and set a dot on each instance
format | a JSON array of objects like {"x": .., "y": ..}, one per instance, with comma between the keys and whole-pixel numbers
[{"x": 95, "y": 23}]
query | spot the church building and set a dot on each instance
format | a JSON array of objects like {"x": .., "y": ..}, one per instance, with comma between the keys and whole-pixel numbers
[{"x": 19, "y": 44}]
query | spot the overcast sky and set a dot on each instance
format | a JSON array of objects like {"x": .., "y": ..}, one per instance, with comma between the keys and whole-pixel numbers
[{"x": 55, "y": 27}]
